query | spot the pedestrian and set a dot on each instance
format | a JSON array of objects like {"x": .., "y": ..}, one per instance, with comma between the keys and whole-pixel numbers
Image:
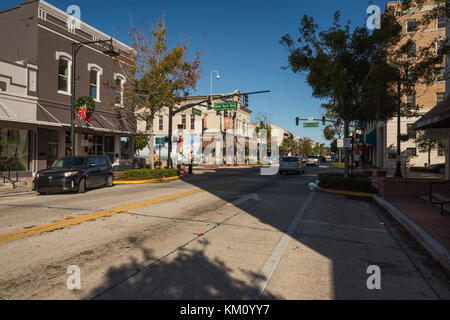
[
  {"x": 155, "y": 159},
  {"x": 190, "y": 158}
]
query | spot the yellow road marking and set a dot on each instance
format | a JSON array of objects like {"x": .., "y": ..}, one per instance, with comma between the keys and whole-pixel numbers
[{"x": 100, "y": 214}]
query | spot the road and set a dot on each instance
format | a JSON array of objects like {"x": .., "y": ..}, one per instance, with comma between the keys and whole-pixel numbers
[{"x": 229, "y": 234}]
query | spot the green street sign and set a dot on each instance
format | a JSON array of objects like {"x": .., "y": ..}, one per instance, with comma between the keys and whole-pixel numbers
[
  {"x": 160, "y": 141},
  {"x": 310, "y": 125},
  {"x": 225, "y": 106},
  {"x": 196, "y": 112}
]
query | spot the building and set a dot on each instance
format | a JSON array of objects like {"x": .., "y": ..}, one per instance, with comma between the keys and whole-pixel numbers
[
  {"x": 381, "y": 137},
  {"x": 196, "y": 129},
  {"x": 35, "y": 90}
]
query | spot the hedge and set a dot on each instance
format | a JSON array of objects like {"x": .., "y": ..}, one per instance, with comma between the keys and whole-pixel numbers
[
  {"x": 338, "y": 165},
  {"x": 146, "y": 174},
  {"x": 337, "y": 181}
]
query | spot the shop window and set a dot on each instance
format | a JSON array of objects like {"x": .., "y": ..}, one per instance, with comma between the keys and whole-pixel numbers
[
  {"x": 52, "y": 147},
  {"x": 14, "y": 149},
  {"x": 125, "y": 148}
]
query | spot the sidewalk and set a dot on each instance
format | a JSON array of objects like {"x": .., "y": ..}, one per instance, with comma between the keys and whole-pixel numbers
[{"x": 424, "y": 222}]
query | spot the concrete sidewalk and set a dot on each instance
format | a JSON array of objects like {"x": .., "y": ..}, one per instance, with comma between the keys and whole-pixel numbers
[{"x": 424, "y": 222}]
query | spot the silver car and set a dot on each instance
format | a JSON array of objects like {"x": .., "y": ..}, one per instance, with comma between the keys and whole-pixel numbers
[
  {"x": 292, "y": 164},
  {"x": 313, "y": 160}
]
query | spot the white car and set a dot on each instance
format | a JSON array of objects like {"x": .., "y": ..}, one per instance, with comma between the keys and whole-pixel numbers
[
  {"x": 292, "y": 164},
  {"x": 313, "y": 160}
]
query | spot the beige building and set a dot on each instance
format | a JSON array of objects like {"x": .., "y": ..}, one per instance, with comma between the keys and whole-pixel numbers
[
  {"x": 384, "y": 154},
  {"x": 193, "y": 127}
]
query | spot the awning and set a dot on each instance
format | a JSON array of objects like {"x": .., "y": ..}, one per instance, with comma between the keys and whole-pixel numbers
[
  {"x": 371, "y": 138},
  {"x": 438, "y": 117}
]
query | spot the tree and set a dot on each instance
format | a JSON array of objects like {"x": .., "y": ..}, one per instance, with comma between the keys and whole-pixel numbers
[
  {"x": 158, "y": 75},
  {"x": 305, "y": 146},
  {"x": 348, "y": 68},
  {"x": 140, "y": 142},
  {"x": 427, "y": 145}
]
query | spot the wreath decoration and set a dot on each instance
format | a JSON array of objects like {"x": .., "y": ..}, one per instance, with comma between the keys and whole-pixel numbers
[{"x": 84, "y": 107}]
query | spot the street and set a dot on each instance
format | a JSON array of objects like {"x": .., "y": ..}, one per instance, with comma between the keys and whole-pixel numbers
[{"x": 229, "y": 234}]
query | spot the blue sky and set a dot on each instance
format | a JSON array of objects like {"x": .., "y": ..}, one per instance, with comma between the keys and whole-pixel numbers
[{"x": 241, "y": 41}]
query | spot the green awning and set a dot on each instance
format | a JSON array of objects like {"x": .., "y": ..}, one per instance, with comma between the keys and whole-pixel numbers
[{"x": 371, "y": 138}]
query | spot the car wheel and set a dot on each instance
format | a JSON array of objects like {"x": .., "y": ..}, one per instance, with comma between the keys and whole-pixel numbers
[
  {"x": 82, "y": 187},
  {"x": 109, "y": 181}
]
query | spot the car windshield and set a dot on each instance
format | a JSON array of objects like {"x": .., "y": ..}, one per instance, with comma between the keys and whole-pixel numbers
[
  {"x": 66, "y": 163},
  {"x": 290, "y": 159},
  {"x": 312, "y": 157}
]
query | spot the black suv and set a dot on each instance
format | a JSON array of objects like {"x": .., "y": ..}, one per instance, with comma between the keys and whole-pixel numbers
[{"x": 74, "y": 174}]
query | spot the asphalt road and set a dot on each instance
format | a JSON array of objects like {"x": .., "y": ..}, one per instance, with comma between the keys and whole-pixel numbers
[{"x": 231, "y": 234}]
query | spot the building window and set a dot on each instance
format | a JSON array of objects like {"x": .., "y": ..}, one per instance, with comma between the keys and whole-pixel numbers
[
  {"x": 183, "y": 121},
  {"x": 412, "y": 134},
  {"x": 412, "y": 152},
  {"x": 15, "y": 152},
  {"x": 441, "y": 76},
  {"x": 411, "y": 25},
  {"x": 411, "y": 100},
  {"x": 64, "y": 75},
  {"x": 125, "y": 148},
  {"x": 161, "y": 123},
  {"x": 120, "y": 82},
  {"x": 441, "y": 22},
  {"x": 192, "y": 122},
  {"x": 440, "y": 97},
  {"x": 412, "y": 77},
  {"x": 412, "y": 52},
  {"x": 93, "y": 84},
  {"x": 94, "y": 81},
  {"x": 441, "y": 152}
]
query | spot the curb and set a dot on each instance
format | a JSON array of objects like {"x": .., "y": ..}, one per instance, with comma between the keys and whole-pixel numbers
[
  {"x": 160, "y": 180},
  {"x": 434, "y": 248},
  {"x": 343, "y": 192}
]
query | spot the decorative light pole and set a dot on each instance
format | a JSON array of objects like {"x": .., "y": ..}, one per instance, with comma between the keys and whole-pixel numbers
[{"x": 76, "y": 46}]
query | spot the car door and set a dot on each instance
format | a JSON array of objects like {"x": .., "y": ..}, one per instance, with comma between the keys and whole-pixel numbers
[
  {"x": 92, "y": 172},
  {"x": 102, "y": 165}
]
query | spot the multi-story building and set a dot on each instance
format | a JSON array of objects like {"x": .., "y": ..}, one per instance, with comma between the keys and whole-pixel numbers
[
  {"x": 194, "y": 127},
  {"x": 35, "y": 90},
  {"x": 382, "y": 151}
]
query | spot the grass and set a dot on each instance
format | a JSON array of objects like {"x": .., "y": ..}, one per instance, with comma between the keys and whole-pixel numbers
[{"x": 337, "y": 181}]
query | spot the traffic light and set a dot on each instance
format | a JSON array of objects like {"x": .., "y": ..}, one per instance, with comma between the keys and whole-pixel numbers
[
  {"x": 297, "y": 121},
  {"x": 324, "y": 120},
  {"x": 209, "y": 104},
  {"x": 166, "y": 139},
  {"x": 245, "y": 101}
]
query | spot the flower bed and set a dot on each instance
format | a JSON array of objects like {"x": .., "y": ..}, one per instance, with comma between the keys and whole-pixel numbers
[
  {"x": 147, "y": 174},
  {"x": 337, "y": 181}
]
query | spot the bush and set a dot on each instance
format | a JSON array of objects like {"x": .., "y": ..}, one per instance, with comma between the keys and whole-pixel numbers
[
  {"x": 337, "y": 181},
  {"x": 147, "y": 174},
  {"x": 338, "y": 165}
]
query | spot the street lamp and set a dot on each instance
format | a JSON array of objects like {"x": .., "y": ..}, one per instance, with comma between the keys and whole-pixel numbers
[
  {"x": 211, "y": 96},
  {"x": 76, "y": 46}
]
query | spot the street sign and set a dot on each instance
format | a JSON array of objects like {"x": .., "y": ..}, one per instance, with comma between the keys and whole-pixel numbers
[
  {"x": 225, "y": 106},
  {"x": 196, "y": 112},
  {"x": 311, "y": 125},
  {"x": 160, "y": 141}
]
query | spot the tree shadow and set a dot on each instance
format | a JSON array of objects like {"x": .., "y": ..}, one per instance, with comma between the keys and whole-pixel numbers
[{"x": 190, "y": 275}]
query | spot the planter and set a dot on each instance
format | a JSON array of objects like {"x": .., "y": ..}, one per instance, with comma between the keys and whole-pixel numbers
[{"x": 382, "y": 173}]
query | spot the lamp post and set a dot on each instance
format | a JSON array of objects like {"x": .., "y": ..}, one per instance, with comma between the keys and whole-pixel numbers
[
  {"x": 211, "y": 93},
  {"x": 76, "y": 46}
]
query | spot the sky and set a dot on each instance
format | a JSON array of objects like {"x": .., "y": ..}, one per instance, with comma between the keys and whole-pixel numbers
[{"x": 240, "y": 40}]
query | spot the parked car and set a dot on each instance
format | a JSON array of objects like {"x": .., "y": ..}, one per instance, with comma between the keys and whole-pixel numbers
[
  {"x": 292, "y": 164},
  {"x": 328, "y": 158},
  {"x": 74, "y": 174},
  {"x": 313, "y": 160},
  {"x": 438, "y": 168}
]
